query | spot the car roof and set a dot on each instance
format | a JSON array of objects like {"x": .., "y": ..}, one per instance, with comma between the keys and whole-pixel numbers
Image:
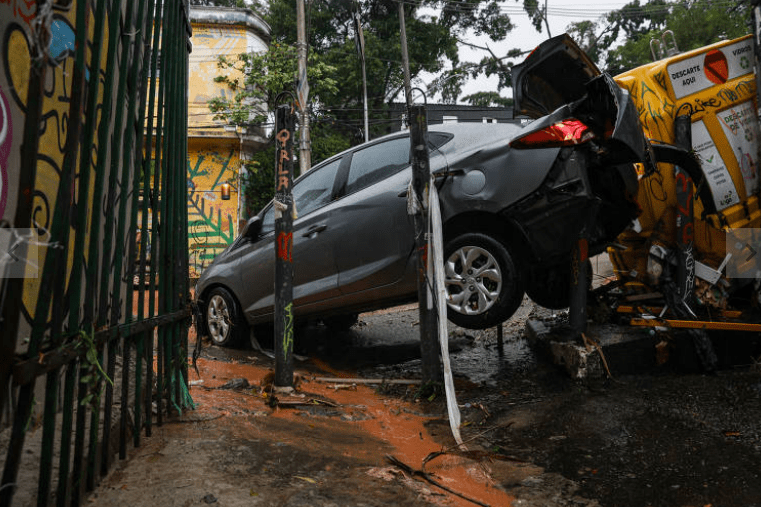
[{"x": 466, "y": 134}]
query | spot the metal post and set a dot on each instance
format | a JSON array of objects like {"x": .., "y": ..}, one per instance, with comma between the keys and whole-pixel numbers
[
  {"x": 429, "y": 344},
  {"x": 305, "y": 154},
  {"x": 685, "y": 228},
  {"x": 683, "y": 284},
  {"x": 361, "y": 50},
  {"x": 405, "y": 58},
  {"x": 284, "y": 126},
  {"x": 577, "y": 313},
  {"x": 580, "y": 274},
  {"x": 756, "y": 26}
]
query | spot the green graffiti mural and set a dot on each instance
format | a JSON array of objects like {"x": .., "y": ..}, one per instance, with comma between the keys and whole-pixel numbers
[{"x": 211, "y": 224}]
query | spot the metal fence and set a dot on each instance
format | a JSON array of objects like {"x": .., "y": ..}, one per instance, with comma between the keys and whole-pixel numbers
[{"x": 95, "y": 348}]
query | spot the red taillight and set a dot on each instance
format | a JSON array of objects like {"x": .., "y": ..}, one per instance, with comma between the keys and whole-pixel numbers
[{"x": 562, "y": 133}]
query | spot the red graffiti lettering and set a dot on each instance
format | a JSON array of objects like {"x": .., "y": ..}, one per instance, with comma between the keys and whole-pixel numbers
[
  {"x": 583, "y": 250},
  {"x": 688, "y": 233},
  {"x": 285, "y": 246},
  {"x": 283, "y": 136},
  {"x": 683, "y": 179},
  {"x": 283, "y": 157}
]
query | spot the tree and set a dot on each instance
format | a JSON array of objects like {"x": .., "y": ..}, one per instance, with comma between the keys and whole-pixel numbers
[
  {"x": 433, "y": 40},
  {"x": 220, "y": 3},
  {"x": 695, "y": 23},
  {"x": 255, "y": 81},
  {"x": 487, "y": 99}
]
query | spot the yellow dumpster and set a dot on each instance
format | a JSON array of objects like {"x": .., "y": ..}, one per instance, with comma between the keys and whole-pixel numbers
[{"x": 715, "y": 87}]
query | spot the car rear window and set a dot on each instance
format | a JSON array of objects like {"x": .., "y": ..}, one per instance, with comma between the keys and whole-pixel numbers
[
  {"x": 379, "y": 161},
  {"x": 438, "y": 139}
]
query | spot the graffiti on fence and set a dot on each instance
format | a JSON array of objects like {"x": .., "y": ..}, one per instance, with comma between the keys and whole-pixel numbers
[{"x": 15, "y": 29}]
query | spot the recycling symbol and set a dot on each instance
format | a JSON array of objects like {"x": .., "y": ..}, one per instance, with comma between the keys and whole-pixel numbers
[{"x": 744, "y": 62}]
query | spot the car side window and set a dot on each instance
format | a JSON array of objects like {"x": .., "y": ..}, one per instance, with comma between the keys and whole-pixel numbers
[
  {"x": 310, "y": 193},
  {"x": 377, "y": 162}
]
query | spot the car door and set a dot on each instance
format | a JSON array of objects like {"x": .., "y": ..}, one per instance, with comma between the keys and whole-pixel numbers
[
  {"x": 315, "y": 274},
  {"x": 373, "y": 220}
]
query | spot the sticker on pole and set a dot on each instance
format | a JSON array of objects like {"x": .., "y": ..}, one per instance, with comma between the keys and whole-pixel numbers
[
  {"x": 714, "y": 67},
  {"x": 717, "y": 175},
  {"x": 740, "y": 125}
]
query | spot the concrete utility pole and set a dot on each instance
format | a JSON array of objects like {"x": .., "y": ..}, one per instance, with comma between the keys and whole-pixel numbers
[
  {"x": 421, "y": 175},
  {"x": 302, "y": 90}
]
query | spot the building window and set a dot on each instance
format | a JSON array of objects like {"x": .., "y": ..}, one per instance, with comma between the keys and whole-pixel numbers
[
  {"x": 448, "y": 119},
  {"x": 486, "y": 119}
]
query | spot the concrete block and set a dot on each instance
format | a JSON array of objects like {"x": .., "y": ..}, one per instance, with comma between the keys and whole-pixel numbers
[{"x": 626, "y": 350}]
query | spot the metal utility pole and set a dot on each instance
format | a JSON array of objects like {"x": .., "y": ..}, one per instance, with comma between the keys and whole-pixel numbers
[
  {"x": 405, "y": 58},
  {"x": 361, "y": 50},
  {"x": 302, "y": 90},
  {"x": 283, "y": 203},
  {"x": 421, "y": 176}
]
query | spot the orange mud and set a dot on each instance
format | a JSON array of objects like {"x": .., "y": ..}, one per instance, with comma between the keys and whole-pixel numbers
[{"x": 369, "y": 427}]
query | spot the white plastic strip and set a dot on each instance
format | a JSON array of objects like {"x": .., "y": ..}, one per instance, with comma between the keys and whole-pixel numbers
[{"x": 436, "y": 274}]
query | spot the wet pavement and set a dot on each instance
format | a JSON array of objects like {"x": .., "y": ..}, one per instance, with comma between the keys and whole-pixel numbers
[{"x": 663, "y": 437}]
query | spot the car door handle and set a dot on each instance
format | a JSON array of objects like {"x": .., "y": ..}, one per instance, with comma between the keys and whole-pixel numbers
[{"x": 314, "y": 230}]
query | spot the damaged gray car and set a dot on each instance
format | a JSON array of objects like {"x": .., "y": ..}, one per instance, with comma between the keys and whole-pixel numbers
[{"x": 513, "y": 200}]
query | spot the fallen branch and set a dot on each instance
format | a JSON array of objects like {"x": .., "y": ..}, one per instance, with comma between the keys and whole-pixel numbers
[
  {"x": 420, "y": 473},
  {"x": 312, "y": 401},
  {"x": 339, "y": 380},
  {"x": 588, "y": 343},
  {"x": 475, "y": 455}
]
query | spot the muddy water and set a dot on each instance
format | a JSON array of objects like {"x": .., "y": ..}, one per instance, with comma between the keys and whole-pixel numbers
[{"x": 364, "y": 425}]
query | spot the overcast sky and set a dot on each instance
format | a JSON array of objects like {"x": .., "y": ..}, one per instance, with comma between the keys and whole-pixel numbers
[{"x": 525, "y": 36}]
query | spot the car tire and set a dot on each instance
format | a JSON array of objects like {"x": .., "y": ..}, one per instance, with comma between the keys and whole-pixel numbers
[
  {"x": 341, "y": 322},
  {"x": 551, "y": 287},
  {"x": 225, "y": 324},
  {"x": 476, "y": 301}
]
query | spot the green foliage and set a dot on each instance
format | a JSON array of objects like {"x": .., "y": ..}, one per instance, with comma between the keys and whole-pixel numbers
[
  {"x": 255, "y": 80},
  {"x": 91, "y": 372},
  {"x": 433, "y": 45},
  {"x": 695, "y": 23},
  {"x": 221, "y": 3},
  {"x": 258, "y": 178},
  {"x": 487, "y": 99}
]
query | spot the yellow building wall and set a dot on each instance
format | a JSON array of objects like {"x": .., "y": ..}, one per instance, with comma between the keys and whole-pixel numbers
[
  {"x": 211, "y": 220},
  {"x": 213, "y": 147}
]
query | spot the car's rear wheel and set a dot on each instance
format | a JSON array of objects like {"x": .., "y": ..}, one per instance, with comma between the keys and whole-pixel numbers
[
  {"x": 484, "y": 286},
  {"x": 224, "y": 320}
]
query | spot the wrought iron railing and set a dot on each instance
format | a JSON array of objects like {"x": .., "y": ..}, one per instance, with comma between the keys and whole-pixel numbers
[{"x": 96, "y": 345}]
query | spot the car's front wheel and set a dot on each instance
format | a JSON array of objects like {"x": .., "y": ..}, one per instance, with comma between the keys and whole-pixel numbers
[
  {"x": 484, "y": 286},
  {"x": 224, "y": 320}
]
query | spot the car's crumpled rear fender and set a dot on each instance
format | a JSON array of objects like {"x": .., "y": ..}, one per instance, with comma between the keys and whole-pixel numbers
[{"x": 494, "y": 178}]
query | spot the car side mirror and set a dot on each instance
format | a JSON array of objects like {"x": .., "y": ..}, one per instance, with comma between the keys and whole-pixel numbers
[{"x": 252, "y": 228}]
